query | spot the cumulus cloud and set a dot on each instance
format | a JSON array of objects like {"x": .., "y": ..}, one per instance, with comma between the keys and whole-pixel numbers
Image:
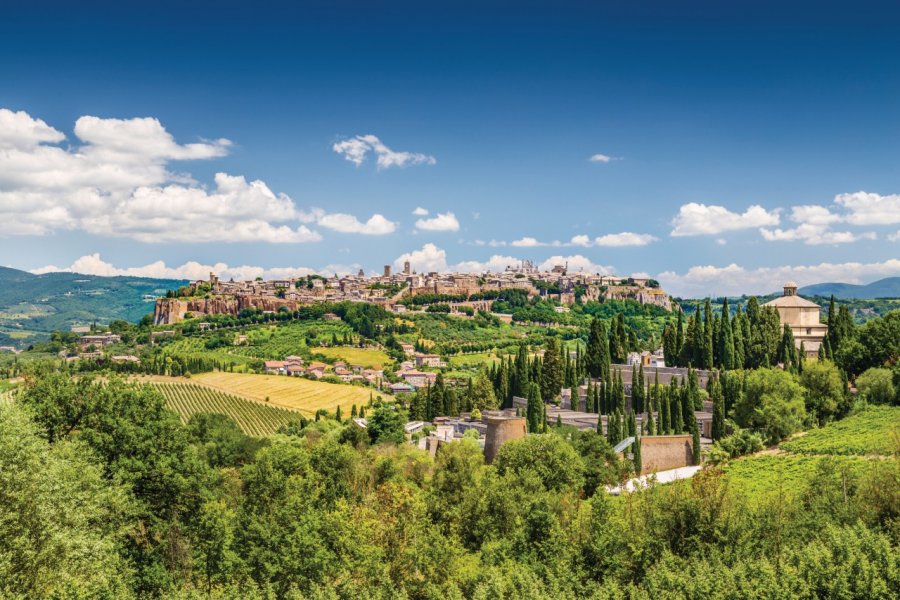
[
  {"x": 440, "y": 222},
  {"x": 420, "y": 212},
  {"x": 430, "y": 258},
  {"x": 527, "y": 242},
  {"x": 701, "y": 219},
  {"x": 93, "y": 264},
  {"x": 814, "y": 228},
  {"x": 344, "y": 223},
  {"x": 357, "y": 148},
  {"x": 600, "y": 158},
  {"x": 116, "y": 181},
  {"x": 895, "y": 237},
  {"x": 733, "y": 279},
  {"x": 866, "y": 208},
  {"x": 614, "y": 240},
  {"x": 576, "y": 262}
]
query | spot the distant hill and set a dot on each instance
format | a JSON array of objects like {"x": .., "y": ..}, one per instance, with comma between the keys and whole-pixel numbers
[
  {"x": 31, "y": 306},
  {"x": 888, "y": 287}
]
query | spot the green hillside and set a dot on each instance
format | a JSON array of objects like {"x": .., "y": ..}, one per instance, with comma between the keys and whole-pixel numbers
[{"x": 31, "y": 306}]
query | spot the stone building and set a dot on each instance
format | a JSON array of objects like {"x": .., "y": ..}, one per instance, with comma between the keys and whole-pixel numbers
[{"x": 802, "y": 316}]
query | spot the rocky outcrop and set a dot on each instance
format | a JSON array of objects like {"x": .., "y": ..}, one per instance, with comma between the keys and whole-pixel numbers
[{"x": 173, "y": 310}]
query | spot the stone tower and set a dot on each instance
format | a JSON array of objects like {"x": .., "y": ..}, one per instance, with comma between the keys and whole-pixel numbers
[{"x": 501, "y": 429}]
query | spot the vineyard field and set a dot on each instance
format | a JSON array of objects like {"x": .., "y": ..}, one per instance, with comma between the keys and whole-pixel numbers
[
  {"x": 254, "y": 418},
  {"x": 294, "y": 393},
  {"x": 876, "y": 430},
  {"x": 761, "y": 476}
]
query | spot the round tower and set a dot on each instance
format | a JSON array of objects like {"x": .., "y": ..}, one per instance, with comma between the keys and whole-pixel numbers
[{"x": 501, "y": 429}]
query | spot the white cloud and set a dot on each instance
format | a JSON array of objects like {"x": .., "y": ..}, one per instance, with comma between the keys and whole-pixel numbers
[
  {"x": 814, "y": 235},
  {"x": 601, "y": 158},
  {"x": 441, "y": 222},
  {"x": 357, "y": 148},
  {"x": 869, "y": 208},
  {"x": 576, "y": 262},
  {"x": 701, "y": 219},
  {"x": 895, "y": 237},
  {"x": 733, "y": 279},
  {"x": 432, "y": 258},
  {"x": 19, "y": 130},
  {"x": 115, "y": 182},
  {"x": 420, "y": 212},
  {"x": 344, "y": 223},
  {"x": 527, "y": 242},
  {"x": 428, "y": 258},
  {"x": 814, "y": 228},
  {"x": 93, "y": 264},
  {"x": 613, "y": 240}
]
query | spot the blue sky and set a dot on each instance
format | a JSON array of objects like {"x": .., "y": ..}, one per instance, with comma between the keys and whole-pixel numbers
[{"x": 737, "y": 144}]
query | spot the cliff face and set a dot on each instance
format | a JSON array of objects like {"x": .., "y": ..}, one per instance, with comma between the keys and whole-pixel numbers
[{"x": 172, "y": 310}]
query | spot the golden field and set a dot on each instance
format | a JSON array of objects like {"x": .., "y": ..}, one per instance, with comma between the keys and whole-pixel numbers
[{"x": 295, "y": 393}]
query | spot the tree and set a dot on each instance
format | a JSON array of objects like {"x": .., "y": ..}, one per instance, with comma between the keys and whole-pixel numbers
[
  {"x": 636, "y": 454},
  {"x": 553, "y": 460},
  {"x": 61, "y": 521},
  {"x": 552, "y": 370},
  {"x": 772, "y": 403},
  {"x": 597, "y": 357},
  {"x": 718, "y": 400},
  {"x": 876, "y": 386},
  {"x": 535, "y": 410},
  {"x": 727, "y": 345},
  {"x": 695, "y": 442},
  {"x": 386, "y": 425},
  {"x": 787, "y": 350},
  {"x": 707, "y": 347},
  {"x": 214, "y": 531},
  {"x": 679, "y": 341},
  {"x": 824, "y": 390},
  {"x": 737, "y": 334},
  {"x": 670, "y": 344},
  {"x": 481, "y": 393}
]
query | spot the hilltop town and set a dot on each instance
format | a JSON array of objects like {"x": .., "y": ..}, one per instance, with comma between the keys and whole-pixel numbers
[{"x": 458, "y": 291}]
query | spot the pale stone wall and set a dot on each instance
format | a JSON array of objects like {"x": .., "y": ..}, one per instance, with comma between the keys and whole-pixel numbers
[{"x": 663, "y": 452}]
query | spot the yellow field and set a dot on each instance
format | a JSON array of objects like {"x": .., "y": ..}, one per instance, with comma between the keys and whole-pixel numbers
[
  {"x": 367, "y": 357},
  {"x": 290, "y": 392}
]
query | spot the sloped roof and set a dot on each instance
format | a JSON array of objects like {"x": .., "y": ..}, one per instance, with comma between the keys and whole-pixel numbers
[{"x": 791, "y": 302}]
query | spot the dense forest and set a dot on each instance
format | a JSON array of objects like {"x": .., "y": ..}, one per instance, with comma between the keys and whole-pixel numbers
[{"x": 106, "y": 494}]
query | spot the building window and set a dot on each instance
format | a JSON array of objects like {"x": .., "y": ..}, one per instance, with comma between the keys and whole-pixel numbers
[{"x": 808, "y": 330}]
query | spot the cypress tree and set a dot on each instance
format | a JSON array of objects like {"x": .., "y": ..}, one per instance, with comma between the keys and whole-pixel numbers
[
  {"x": 663, "y": 414},
  {"x": 337, "y": 414},
  {"x": 707, "y": 348},
  {"x": 822, "y": 355},
  {"x": 353, "y": 413},
  {"x": 522, "y": 373},
  {"x": 669, "y": 344},
  {"x": 832, "y": 330},
  {"x": 551, "y": 370},
  {"x": 718, "y": 400},
  {"x": 677, "y": 415},
  {"x": 695, "y": 439},
  {"x": 727, "y": 335},
  {"x": 597, "y": 358},
  {"x": 679, "y": 341},
  {"x": 534, "y": 411},
  {"x": 737, "y": 336},
  {"x": 641, "y": 390},
  {"x": 636, "y": 455}
]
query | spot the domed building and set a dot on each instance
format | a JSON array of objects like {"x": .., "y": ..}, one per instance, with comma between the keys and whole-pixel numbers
[{"x": 802, "y": 316}]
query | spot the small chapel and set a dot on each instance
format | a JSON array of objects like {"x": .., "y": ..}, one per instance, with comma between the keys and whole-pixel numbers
[{"x": 802, "y": 316}]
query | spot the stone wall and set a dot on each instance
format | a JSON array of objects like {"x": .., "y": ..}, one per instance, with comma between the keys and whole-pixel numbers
[
  {"x": 663, "y": 452},
  {"x": 499, "y": 431}
]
